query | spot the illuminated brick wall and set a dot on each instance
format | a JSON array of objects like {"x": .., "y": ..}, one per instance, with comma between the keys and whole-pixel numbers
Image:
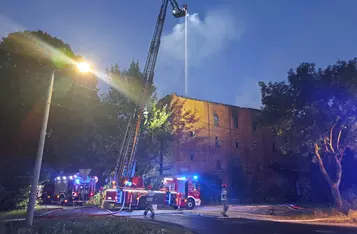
[{"x": 224, "y": 135}]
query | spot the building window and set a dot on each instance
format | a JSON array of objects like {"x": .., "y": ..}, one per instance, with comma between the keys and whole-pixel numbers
[
  {"x": 217, "y": 142},
  {"x": 254, "y": 125},
  {"x": 237, "y": 143},
  {"x": 255, "y": 145},
  {"x": 192, "y": 156},
  {"x": 218, "y": 165},
  {"x": 215, "y": 119},
  {"x": 235, "y": 122}
]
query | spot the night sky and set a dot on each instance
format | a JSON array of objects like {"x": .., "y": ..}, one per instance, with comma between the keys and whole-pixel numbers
[{"x": 233, "y": 44}]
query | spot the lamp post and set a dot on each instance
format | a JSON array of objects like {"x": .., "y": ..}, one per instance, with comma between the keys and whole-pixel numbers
[{"x": 82, "y": 67}]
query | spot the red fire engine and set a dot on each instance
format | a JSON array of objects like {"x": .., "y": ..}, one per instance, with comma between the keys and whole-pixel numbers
[
  {"x": 187, "y": 189},
  {"x": 177, "y": 192},
  {"x": 69, "y": 189}
]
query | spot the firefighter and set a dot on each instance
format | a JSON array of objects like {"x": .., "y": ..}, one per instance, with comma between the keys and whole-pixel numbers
[
  {"x": 149, "y": 201},
  {"x": 101, "y": 196},
  {"x": 224, "y": 199}
]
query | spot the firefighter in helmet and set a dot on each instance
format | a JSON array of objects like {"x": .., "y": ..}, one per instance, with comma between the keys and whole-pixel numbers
[
  {"x": 149, "y": 201},
  {"x": 224, "y": 199}
]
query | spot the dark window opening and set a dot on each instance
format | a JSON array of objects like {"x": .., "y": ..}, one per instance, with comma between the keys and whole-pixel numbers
[
  {"x": 218, "y": 165},
  {"x": 254, "y": 126},
  {"x": 217, "y": 142},
  {"x": 235, "y": 122},
  {"x": 192, "y": 155},
  {"x": 191, "y": 133},
  {"x": 274, "y": 148},
  {"x": 215, "y": 119},
  {"x": 237, "y": 144}
]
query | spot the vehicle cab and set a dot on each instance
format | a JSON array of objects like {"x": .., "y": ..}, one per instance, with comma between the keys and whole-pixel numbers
[{"x": 187, "y": 189}]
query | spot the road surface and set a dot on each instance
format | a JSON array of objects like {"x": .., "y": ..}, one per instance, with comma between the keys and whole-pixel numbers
[
  {"x": 207, "y": 220},
  {"x": 217, "y": 225}
]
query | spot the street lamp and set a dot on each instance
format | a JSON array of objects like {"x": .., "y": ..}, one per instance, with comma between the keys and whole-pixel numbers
[{"x": 82, "y": 67}]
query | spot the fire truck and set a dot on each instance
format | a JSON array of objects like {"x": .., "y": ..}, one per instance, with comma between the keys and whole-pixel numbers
[
  {"x": 126, "y": 189},
  {"x": 187, "y": 189},
  {"x": 177, "y": 192},
  {"x": 69, "y": 189}
]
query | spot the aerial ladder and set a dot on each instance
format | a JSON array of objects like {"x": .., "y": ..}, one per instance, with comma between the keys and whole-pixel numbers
[{"x": 126, "y": 163}]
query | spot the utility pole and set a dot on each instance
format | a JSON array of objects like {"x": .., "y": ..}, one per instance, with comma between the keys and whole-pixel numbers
[
  {"x": 38, "y": 163},
  {"x": 186, "y": 56}
]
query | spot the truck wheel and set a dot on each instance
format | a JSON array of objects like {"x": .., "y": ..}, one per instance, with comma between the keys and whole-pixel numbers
[{"x": 190, "y": 203}]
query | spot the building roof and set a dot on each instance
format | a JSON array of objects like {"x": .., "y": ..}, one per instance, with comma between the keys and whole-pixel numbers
[{"x": 201, "y": 100}]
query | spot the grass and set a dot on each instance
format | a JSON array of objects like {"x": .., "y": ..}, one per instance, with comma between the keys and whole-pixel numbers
[
  {"x": 13, "y": 214},
  {"x": 329, "y": 216},
  {"x": 96, "y": 225},
  {"x": 21, "y": 213}
]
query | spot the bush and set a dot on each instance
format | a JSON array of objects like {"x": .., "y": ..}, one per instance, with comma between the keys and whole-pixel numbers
[
  {"x": 350, "y": 197},
  {"x": 95, "y": 200},
  {"x": 14, "y": 184}
]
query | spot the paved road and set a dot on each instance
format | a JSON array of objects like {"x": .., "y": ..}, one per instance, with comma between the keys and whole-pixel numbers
[
  {"x": 214, "y": 225},
  {"x": 211, "y": 224}
]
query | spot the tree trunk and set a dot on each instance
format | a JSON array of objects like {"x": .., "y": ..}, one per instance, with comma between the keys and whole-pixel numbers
[
  {"x": 161, "y": 157},
  {"x": 336, "y": 195},
  {"x": 334, "y": 186}
]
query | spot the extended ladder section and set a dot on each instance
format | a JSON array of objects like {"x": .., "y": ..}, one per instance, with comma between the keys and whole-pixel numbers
[{"x": 125, "y": 167}]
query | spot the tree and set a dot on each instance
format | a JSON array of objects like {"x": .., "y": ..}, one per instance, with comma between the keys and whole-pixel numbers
[
  {"x": 314, "y": 113},
  {"x": 124, "y": 95},
  {"x": 167, "y": 123},
  {"x": 27, "y": 60},
  {"x": 26, "y": 63}
]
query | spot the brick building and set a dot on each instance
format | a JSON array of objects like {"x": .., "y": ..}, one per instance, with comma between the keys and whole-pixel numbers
[{"x": 227, "y": 142}]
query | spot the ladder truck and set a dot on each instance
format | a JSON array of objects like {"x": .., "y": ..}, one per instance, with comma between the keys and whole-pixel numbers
[{"x": 127, "y": 190}]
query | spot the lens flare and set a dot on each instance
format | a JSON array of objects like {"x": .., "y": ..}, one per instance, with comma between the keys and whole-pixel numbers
[{"x": 83, "y": 67}]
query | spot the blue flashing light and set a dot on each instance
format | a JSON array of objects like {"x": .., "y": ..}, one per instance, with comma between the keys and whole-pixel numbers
[
  {"x": 128, "y": 183},
  {"x": 77, "y": 181},
  {"x": 195, "y": 177}
]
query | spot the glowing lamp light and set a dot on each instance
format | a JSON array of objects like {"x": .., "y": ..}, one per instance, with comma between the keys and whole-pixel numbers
[
  {"x": 83, "y": 67},
  {"x": 64, "y": 177},
  {"x": 195, "y": 177},
  {"x": 77, "y": 181},
  {"x": 71, "y": 177},
  {"x": 58, "y": 178}
]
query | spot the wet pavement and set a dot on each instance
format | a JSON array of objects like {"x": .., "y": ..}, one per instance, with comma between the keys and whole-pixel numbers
[
  {"x": 208, "y": 219},
  {"x": 217, "y": 225}
]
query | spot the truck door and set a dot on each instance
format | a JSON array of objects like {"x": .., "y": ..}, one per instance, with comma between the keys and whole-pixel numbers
[{"x": 186, "y": 189}]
